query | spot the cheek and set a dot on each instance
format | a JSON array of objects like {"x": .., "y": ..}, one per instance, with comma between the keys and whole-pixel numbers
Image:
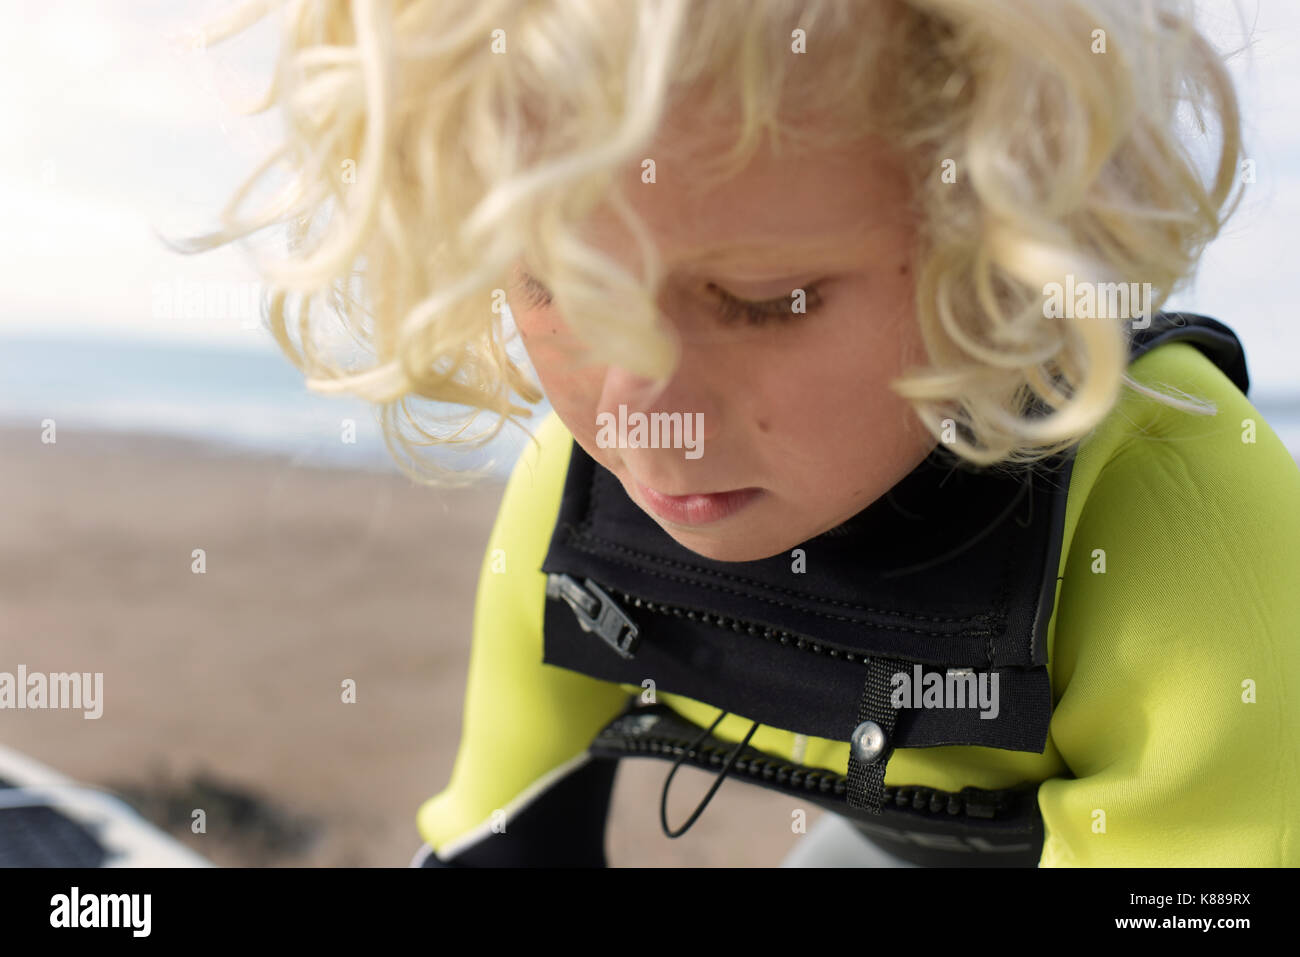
[
  {"x": 536, "y": 327},
  {"x": 841, "y": 375},
  {"x": 833, "y": 423},
  {"x": 551, "y": 348},
  {"x": 572, "y": 388}
]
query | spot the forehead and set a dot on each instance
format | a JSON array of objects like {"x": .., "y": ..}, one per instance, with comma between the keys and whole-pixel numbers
[{"x": 801, "y": 203}]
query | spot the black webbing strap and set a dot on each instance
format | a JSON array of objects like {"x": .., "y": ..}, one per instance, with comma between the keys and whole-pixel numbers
[{"x": 866, "y": 777}]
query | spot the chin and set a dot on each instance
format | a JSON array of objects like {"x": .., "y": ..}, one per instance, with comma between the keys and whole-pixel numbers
[{"x": 722, "y": 549}]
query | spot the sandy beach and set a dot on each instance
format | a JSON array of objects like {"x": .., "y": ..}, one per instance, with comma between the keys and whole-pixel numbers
[{"x": 222, "y": 690}]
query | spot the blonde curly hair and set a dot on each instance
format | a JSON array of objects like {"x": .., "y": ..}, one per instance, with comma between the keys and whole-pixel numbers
[{"x": 432, "y": 143}]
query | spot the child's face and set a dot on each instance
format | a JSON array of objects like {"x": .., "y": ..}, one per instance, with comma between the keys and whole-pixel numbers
[{"x": 797, "y": 415}]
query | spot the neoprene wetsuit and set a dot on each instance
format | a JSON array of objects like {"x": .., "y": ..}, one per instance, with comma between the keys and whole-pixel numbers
[{"x": 1138, "y": 601}]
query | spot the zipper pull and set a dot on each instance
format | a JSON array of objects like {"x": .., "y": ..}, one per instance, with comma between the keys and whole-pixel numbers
[{"x": 596, "y": 612}]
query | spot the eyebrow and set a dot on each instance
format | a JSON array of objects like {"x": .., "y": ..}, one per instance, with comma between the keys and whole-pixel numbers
[
  {"x": 769, "y": 249},
  {"x": 793, "y": 257},
  {"x": 849, "y": 239},
  {"x": 715, "y": 253}
]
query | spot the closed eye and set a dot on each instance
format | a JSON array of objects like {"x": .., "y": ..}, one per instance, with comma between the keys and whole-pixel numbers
[
  {"x": 756, "y": 313},
  {"x": 537, "y": 294},
  {"x": 730, "y": 308}
]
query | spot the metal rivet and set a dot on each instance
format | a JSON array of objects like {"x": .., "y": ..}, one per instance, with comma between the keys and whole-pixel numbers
[{"x": 868, "y": 742}]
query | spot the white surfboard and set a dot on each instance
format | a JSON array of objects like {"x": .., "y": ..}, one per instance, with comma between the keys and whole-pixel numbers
[{"x": 50, "y": 820}]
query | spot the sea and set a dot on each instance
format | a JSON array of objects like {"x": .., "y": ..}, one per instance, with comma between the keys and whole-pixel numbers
[
  {"x": 241, "y": 399},
  {"x": 246, "y": 399}
]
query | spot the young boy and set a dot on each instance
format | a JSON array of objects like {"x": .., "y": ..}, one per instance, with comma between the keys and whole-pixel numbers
[{"x": 873, "y": 474}]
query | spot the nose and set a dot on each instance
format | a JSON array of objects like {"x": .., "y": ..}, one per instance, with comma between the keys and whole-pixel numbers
[
  {"x": 686, "y": 391},
  {"x": 622, "y": 387}
]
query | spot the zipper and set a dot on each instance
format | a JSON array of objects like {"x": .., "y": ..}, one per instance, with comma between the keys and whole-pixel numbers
[
  {"x": 790, "y": 777},
  {"x": 598, "y": 612}
]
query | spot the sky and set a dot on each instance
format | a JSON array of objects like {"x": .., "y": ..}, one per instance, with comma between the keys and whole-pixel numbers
[{"x": 118, "y": 126}]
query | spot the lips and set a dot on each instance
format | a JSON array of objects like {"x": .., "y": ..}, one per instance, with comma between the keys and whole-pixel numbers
[{"x": 696, "y": 509}]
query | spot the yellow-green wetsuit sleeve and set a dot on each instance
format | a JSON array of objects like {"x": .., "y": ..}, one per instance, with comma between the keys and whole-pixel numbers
[
  {"x": 522, "y": 789},
  {"x": 1176, "y": 647}
]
